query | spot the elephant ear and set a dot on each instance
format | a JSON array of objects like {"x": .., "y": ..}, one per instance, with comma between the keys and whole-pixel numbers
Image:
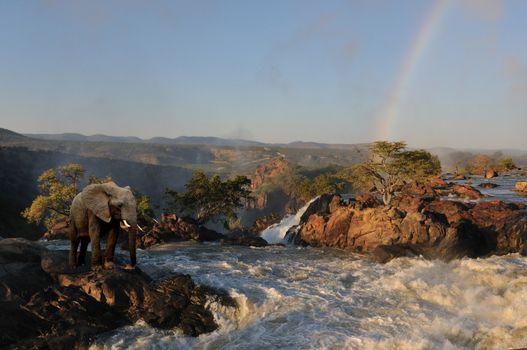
[{"x": 96, "y": 199}]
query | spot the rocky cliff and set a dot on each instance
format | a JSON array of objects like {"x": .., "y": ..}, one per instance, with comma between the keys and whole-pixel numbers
[{"x": 46, "y": 305}]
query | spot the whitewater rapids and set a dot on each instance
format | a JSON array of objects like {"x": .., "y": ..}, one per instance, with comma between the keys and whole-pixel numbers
[
  {"x": 302, "y": 298},
  {"x": 277, "y": 232}
]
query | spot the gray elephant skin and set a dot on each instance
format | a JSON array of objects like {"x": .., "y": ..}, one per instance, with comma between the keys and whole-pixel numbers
[{"x": 102, "y": 209}]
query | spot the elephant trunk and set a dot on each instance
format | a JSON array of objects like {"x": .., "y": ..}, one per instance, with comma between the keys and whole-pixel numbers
[{"x": 131, "y": 245}]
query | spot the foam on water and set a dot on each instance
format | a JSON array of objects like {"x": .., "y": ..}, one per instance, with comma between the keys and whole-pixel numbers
[{"x": 323, "y": 298}]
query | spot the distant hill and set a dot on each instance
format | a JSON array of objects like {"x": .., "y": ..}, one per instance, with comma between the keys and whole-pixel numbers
[
  {"x": 212, "y": 154},
  {"x": 9, "y": 135},
  {"x": 213, "y": 141},
  {"x": 181, "y": 140},
  {"x": 187, "y": 140},
  {"x": 84, "y": 138},
  {"x": 219, "y": 155}
]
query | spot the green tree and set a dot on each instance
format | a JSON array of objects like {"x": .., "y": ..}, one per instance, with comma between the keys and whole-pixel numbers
[
  {"x": 505, "y": 164},
  {"x": 57, "y": 188},
  {"x": 303, "y": 189},
  {"x": 93, "y": 179},
  {"x": 145, "y": 213},
  {"x": 327, "y": 183},
  {"x": 210, "y": 199},
  {"x": 390, "y": 165}
]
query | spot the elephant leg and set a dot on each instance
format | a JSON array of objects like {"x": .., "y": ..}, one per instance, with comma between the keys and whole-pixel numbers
[
  {"x": 74, "y": 245},
  {"x": 95, "y": 251},
  {"x": 82, "y": 254},
  {"x": 110, "y": 247},
  {"x": 95, "y": 237}
]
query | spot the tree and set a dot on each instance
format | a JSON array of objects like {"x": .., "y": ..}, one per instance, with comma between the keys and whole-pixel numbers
[
  {"x": 93, "y": 179},
  {"x": 504, "y": 164},
  {"x": 57, "y": 188},
  {"x": 145, "y": 213},
  {"x": 390, "y": 165},
  {"x": 302, "y": 189},
  {"x": 327, "y": 183},
  {"x": 210, "y": 199}
]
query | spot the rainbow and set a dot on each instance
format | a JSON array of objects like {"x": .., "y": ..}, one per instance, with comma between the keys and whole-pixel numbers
[{"x": 421, "y": 40}]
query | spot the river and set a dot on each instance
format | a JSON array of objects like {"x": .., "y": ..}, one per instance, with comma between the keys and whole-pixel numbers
[{"x": 310, "y": 298}]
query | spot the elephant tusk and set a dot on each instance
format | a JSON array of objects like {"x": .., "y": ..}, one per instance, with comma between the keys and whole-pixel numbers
[
  {"x": 124, "y": 225},
  {"x": 139, "y": 227},
  {"x": 157, "y": 222}
]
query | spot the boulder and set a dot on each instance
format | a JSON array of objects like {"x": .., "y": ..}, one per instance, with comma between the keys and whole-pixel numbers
[
  {"x": 437, "y": 181},
  {"x": 490, "y": 174},
  {"x": 172, "y": 228},
  {"x": 321, "y": 204},
  {"x": 521, "y": 187},
  {"x": 61, "y": 230},
  {"x": 488, "y": 185},
  {"x": 466, "y": 191},
  {"x": 459, "y": 177},
  {"x": 52, "y": 306},
  {"x": 418, "y": 225},
  {"x": 246, "y": 240},
  {"x": 366, "y": 201},
  {"x": 262, "y": 223}
]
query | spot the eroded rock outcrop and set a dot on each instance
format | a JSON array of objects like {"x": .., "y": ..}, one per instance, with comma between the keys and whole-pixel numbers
[
  {"x": 61, "y": 230},
  {"x": 418, "y": 222},
  {"x": 267, "y": 171},
  {"x": 172, "y": 228},
  {"x": 270, "y": 192},
  {"x": 44, "y": 304},
  {"x": 466, "y": 191}
]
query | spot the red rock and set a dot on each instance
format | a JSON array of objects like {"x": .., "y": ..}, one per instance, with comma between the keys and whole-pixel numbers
[
  {"x": 61, "y": 230},
  {"x": 262, "y": 223},
  {"x": 172, "y": 228},
  {"x": 271, "y": 194},
  {"x": 411, "y": 203},
  {"x": 368, "y": 201},
  {"x": 419, "y": 225},
  {"x": 490, "y": 173},
  {"x": 521, "y": 186},
  {"x": 466, "y": 191},
  {"x": 437, "y": 181},
  {"x": 272, "y": 169},
  {"x": 452, "y": 210}
]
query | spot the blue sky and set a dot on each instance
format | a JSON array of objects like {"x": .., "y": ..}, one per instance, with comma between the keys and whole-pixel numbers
[{"x": 275, "y": 71}]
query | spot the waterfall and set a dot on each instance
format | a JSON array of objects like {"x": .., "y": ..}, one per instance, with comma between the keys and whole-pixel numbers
[{"x": 276, "y": 233}]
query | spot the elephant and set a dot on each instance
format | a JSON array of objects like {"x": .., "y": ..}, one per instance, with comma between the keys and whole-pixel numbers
[{"x": 102, "y": 209}]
